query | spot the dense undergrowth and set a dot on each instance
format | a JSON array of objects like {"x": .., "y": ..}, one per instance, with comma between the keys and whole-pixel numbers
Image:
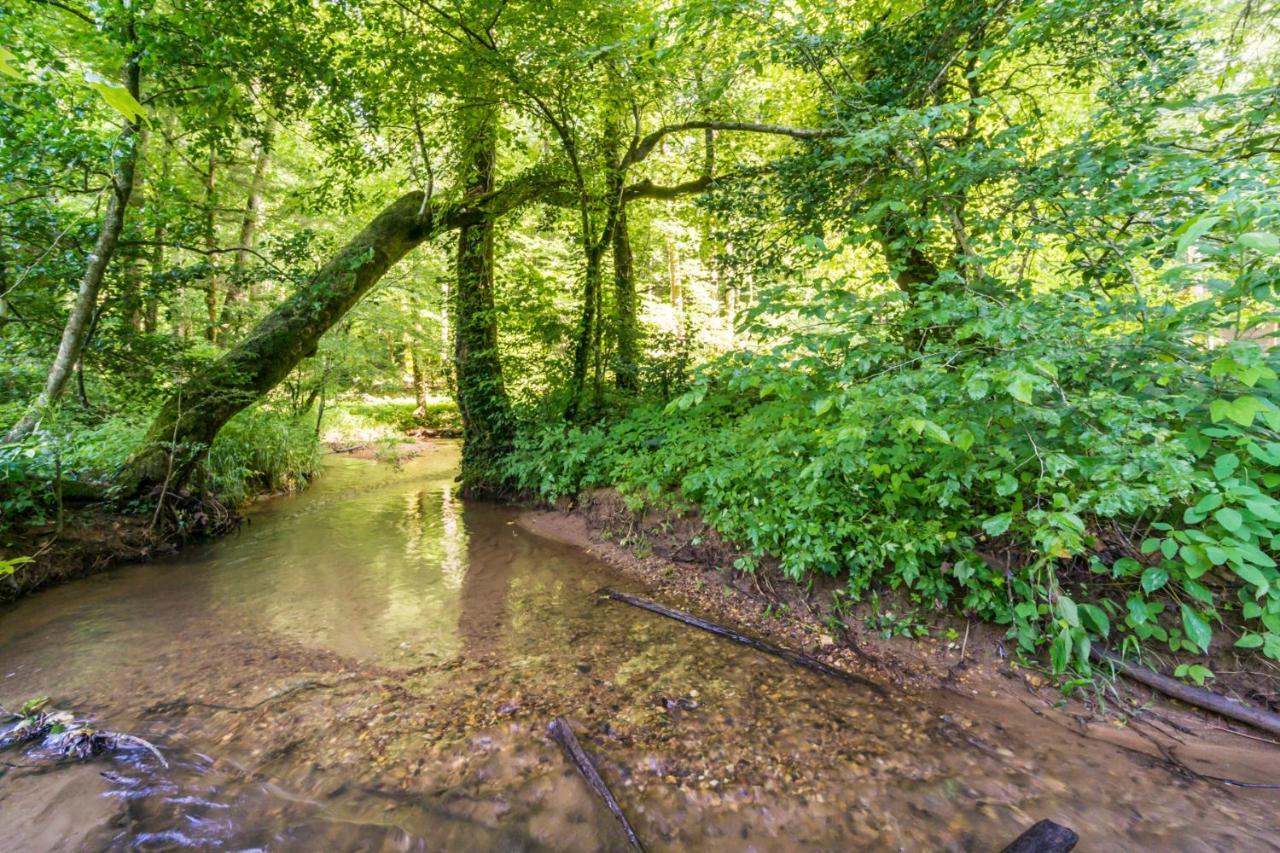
[{"x": 1058, "y": 465}]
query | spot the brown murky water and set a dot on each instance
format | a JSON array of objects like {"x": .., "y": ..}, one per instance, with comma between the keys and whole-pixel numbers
[{"x": 371, "y": 666}]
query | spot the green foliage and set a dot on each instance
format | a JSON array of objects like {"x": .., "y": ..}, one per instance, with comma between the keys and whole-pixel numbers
[{"x": 262, "y": 450}]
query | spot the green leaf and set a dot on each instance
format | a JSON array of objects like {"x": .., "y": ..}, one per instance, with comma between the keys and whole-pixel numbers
[
  {"x": 1194, "y": 230},
  {"x": 997, "y": 524},
  {"x": 1261, "y": 241},
  {"x": 1229, "y": 519},
  {"x": 1198, "y": 630},
  {"x": 1067, "y": 610},
  {"x": 823, "y": 405},
  {"x": 963, "y": 439},
  {"x": 6, "y": 56},
  {"x": 116, "y": 96},
  {"x": 1097, "y": 619},
  {"x": 1244, "y": 409},
  {"x": 1154, "y": 578},
  {"x": 1252, "y": 575},
  {"x": 1249, "y": 641},
  {"x": 1060, "y": 651},
  {"x": 1021, "y": 388},
  {"x": 1223, "y": 467}
]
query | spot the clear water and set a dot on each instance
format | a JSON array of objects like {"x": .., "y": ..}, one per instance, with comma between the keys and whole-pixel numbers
[{"x": 372, "y": 665}]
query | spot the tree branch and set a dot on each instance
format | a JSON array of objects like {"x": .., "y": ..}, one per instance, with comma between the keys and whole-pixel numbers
[{"x": 646, "y": 145}]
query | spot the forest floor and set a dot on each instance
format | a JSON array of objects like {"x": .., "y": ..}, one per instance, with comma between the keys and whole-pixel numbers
[{"x": 689, "y": 566}]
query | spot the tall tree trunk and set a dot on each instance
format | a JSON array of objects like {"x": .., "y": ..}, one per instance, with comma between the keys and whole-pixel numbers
[
  {"x": 482, "y": 395},
  {"x": 151, "y": 302},
  {"x": 77, "y": 326},
  {"x": 676, "y": 287},
  {"x": 419, "y": 383},
  {"x": 4, "y": 274},
  {"x": 584, "y": 345},
  {"x": 233, "y": 302},
  {"x": 131, "y": 283},
  {"x": 626, "y": 374},
  {"x": 210, "y": 244}
]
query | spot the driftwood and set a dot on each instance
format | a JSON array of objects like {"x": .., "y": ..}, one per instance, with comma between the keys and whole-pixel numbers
[
  {"x": 1197, "y": 696},
  {"x": 793, "y": 657},
  {"x": 563, "y": 735},
  {"x": 1045, "y": 837}
]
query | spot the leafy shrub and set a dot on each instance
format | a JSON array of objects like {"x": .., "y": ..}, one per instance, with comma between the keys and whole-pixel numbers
[
  {"x": 1054, "y": 465},
  {"x": 262, "y": 449}
]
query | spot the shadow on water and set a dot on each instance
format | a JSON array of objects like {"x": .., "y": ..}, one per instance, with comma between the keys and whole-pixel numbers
[{"x": 371, "y": 665}]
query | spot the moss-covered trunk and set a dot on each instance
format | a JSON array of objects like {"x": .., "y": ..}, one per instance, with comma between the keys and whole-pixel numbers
[
  {"x": 481, "y": 392},
  {"x": 192, "y": 416},
  {"x": 626, "y": 372}
]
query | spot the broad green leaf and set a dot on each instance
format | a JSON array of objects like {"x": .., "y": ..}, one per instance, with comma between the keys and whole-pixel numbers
[
  {"x": 1229, "y": 519},
  {"x": 1154, "y": 578},
  {"x": 1197, "y": 629},
  {"x": 1261, "y": 241},
  {"x": 6, "y": 66},
  {"x": 1249, "y": 641},
  {"x": 1252, "y": 575},
  {"x": 1194, "y": 230},
  {"x": 1021, "y": 388},
  {"x": 116, "y": 96}
]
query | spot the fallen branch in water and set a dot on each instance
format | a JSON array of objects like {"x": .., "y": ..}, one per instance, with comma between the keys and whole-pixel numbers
[
  {"x": 1045, "y": 837},
  {"x": 793, "y": 657},
  {"x": 1197, "y": 696},
  {"x": 60, "y": 732},
  {"x": 560, "y": 732}
]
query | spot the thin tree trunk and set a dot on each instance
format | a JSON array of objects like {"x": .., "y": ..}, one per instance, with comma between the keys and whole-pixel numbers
[
  {"x": 131, "y": 284},
  {"x": 676, "y": 288},
  {"x": 210, "y": 244},
  {"x": 151, "y": 302},
  {"x": 4, "y": 274},
  {"x": 626, "y": 374},
  {"x": 586, "y": 333},
  {"x": 419, "y": 383},
  {"x": 232, "y": 305},
  {"x": 77, "y": 325},
  {"x": 482, "y": 396}
]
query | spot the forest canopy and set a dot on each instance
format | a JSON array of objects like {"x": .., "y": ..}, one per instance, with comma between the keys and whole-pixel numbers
[{"x": 971, "y": 299}]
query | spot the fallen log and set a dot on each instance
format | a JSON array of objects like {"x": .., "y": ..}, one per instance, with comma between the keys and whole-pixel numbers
[
  {"x": 1197, "y": 696},
  {"x": 563, "y": 735},
  {"x": 1045, "y": 837},
  {"x": 797, "y": 658}
]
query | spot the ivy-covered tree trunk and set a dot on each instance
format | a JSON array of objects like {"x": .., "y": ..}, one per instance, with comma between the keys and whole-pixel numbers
[
  {"x": 626, "y": 372},
  {"x": 76, "y": 330},
  {"x": 584, "y": 345},
  {"x": 187, "y": 423},
  {"x": 481, "y": 392}
]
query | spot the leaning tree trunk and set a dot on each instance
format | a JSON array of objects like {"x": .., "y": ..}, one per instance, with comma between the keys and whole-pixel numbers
[
  {"x": 187, "y": 423},
  {"x": 482, "y": 396},
  {"x": 76, "y": 329},
  {"x": 626, "y": 373}
]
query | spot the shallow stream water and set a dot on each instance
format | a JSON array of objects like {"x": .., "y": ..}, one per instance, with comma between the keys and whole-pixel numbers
[{"x": 371, "y": 666}]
